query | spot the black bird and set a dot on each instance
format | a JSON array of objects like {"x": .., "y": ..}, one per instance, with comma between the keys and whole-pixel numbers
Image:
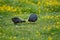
[
  {"x": 33, "y": 18},
  {"x": 17, "y": 20}
]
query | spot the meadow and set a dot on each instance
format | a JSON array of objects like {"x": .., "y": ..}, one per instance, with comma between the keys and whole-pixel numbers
[{"x": 47, "y": 27}]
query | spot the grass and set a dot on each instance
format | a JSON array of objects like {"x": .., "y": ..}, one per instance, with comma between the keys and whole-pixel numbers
[{"x": 47, "y": 27}]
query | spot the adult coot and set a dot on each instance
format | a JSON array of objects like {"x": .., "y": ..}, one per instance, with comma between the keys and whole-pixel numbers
[
  {"x": 16, "y": 20},
  {"x": 32, "y": 18}
]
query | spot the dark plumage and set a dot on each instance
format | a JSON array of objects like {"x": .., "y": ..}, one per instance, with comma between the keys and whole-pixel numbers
[
  {"x": 32, "y": 18},
  {"x": 16, "y": 20}
]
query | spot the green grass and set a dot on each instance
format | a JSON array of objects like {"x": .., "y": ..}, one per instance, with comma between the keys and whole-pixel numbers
[
  {"x": 43, "y": 29},
  {"x": 32, "y": 31}
]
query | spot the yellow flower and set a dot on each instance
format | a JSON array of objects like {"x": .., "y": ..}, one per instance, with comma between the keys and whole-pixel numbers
[
  {"x": 44, "y": 28},
  {"x": 8, "y": 8},
  {"x": 10, "y": 37},
  {"x": 49, "y": 28},
  {"x": 50, "y": 38},
  {"x": 37, "y": 33},
  {"x": 47, "y": 9},
  {"x": 39, "y": 6},
  {"x": 26, "y": 1},
  {"x": 57, "y": 16},
  {"x": 47, "y": 3},
  {"x": 32, "y": 3},
  {"x": 29, "y": 2},
  {"x": 58, "y": 22},
  {"x": 14, "y": 37},
  {"x": 39, "y": 10},
  {"x": 52, "y": 2},
  {"x": 48, "y": 17},
  {"x": 57, "y": 27},
  {"x": 2, "y": 8},
  {"x": 52, "y": 17},
  {"x": 14, "y": 10},
  {"x": 52, "y": 33},
  {"x": 38, "y": 3}
]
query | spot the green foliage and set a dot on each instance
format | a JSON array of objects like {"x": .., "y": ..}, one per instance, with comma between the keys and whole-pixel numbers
[{"x": 48, "y": 23}]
